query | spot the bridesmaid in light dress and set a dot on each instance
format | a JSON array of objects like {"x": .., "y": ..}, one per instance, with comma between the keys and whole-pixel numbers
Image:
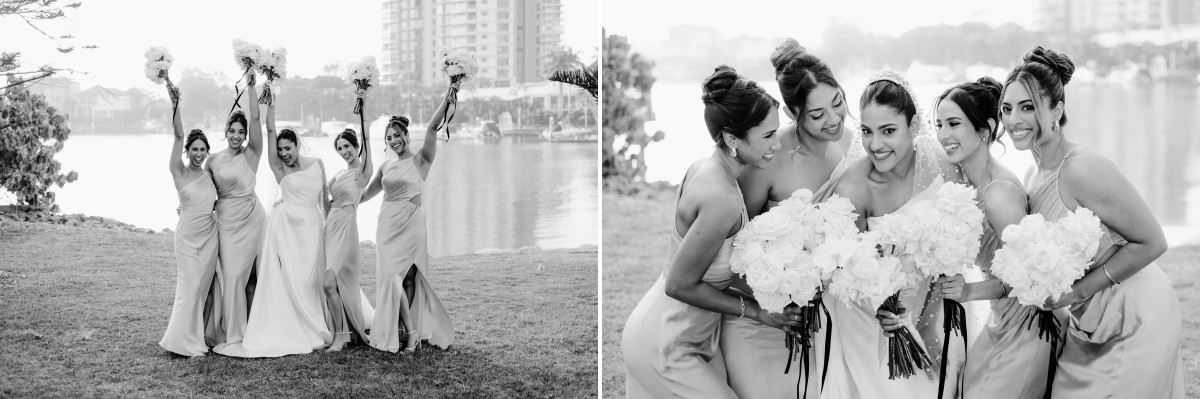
[
  {"x": 288, "y": 315},
  {"x": 406, "y": 303},
  {"x": 903, "y": 164},
  {"x": 239, "y": 214},
  {"x": 1006, "y": 360},
  {"x": 195, "y": 247},
  {"x": 351, "y": 312},
  {"x": 1122, "y": 340},
  {"x": 671, "y": 340},
  {"x": 813, "y": 159}
]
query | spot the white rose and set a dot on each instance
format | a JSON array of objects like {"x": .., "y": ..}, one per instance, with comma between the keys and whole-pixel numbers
[
  {"x": 764, "y": 276},
  {"x": 771, "y": 225}
]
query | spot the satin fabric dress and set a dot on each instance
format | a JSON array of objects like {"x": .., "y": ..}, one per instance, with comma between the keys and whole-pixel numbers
[
  {"x": 196, "y": 260},
  {"x": 1006, "y": 360},
  {"x": 755, "y": 355},
  {"x": 401, "y": 243},
  {"x": 240, "y": 219},
  {"x": 672, "y": 349},
  {"x": 1123, "y": 342},
  {"x": 342, "y": 254},
  {"x": 288, "y": 315}
]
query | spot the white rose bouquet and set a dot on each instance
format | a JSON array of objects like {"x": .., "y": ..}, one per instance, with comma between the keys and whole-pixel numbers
[
  {"x": 787, "y": 253},
  {"x": 246, "y": 55},
  {"x": 363, "y": 74},
  {"x": 460, "y": 66},
  {"x": 158, "y": 61},
  {"x": 875, "y": 280},
  {"x": 273, "y": 65}
]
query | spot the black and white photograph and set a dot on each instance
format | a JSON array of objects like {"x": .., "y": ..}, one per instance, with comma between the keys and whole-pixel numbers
[
  {"x": 365, "y": 198},
  {"x": 919, "y": 199}
]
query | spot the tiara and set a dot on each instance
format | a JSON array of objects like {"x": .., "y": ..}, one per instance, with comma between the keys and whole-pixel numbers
[{"x": 891, "y": 75}]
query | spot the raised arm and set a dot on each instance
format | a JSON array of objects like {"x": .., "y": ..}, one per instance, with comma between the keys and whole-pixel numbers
[
  {"x": 375, "y": 187},
  {"x": 176, "y": 163},
  {"x": 429, "y": 148},
  {"x": 1095, "y": 183},
  {"x": 365, "y": 155},
  {"x": 254, "y": 148},
  {"x": 272, "y": 143}
]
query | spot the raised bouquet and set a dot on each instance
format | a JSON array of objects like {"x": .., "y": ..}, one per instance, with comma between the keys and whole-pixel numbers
[
  {"x": 246, "y": 55},
  {"x": 459, "y": 66},
  {"x": 273, "y": 65},
  {"x": 158, "y": 62},
  {"x": 363, "y": 74}
]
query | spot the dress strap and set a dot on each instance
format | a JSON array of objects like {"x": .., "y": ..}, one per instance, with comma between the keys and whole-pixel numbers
[{"x": 1002, "y": 179}]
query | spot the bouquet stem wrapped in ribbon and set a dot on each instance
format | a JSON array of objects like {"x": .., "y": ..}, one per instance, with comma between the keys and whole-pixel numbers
[
  {"x": 364, "y": 74},
  {"x": 786, "y": 255},
  {"x": 246, "y": 55},
  {"x": 158, "y": 62},
  {"x": 460, "y": 66},
  {"x": 1041, "y": 260},
  {"x": 273, "y": 65}
]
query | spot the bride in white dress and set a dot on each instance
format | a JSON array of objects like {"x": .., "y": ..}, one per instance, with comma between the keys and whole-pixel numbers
[{"x": 288, "y": 315}]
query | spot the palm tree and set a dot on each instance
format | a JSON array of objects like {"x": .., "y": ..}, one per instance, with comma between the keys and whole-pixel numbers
[{"x": 584, "y": 78}]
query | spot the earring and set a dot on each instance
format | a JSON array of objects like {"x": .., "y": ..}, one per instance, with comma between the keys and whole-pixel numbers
[{"x": 733, "y": 152}]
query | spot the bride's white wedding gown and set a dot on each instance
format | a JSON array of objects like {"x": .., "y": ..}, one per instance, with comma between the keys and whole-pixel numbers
[{"x": 288, "y": 316}]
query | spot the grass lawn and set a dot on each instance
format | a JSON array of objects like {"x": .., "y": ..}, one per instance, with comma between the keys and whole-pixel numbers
[
  {"x": 637, "y": 233},
  {"x": 82, "y": 311}
]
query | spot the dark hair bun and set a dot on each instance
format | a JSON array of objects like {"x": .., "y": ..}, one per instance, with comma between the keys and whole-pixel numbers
[
  {"x": 1059, "y": 63},
  {"x": 195, "y": 131},
  {"x": 993, "y": 87},
  {"x": 788, "y": 56},
  {"x": 718, "y": 85},
  {"x": 403, "y": 121}
]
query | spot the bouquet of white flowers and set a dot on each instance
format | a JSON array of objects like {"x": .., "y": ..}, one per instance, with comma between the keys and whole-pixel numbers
[
  {"x": 273, "y": 65},
  {"x": 363, "y": 74},
  {"x": 788, "y": 252},
  {"x": 875, "y": 280},
  {"x": 1040, "y": 260},
  {"x": 246, "y": 55},
  {"x": 460, "y": 66},
  {"x": 158, "y": 61}
]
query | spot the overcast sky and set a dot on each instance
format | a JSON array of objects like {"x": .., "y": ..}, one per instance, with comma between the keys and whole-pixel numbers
[{"x": 199, "y": 34}]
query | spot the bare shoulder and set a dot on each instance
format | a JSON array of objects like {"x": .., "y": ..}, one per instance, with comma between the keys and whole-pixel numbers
[
  {"x": 1087, "y": 167},
  {"x": 707, "y": 189}
]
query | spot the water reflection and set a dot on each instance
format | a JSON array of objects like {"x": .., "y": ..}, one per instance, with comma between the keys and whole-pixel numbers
[
  {"x": 481, "y": 194},
  {"x": 1146, "y": 130}
]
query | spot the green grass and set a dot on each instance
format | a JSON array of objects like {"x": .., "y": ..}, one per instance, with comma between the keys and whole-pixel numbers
[
  {"x": 82, "y": 311},
  {"x": 637, "y": 233}
]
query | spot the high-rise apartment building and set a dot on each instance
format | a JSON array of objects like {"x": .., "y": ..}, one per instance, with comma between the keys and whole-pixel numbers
[{"x": 511, "y": 39}]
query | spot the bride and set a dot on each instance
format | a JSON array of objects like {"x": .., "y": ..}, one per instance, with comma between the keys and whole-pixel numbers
[{"x": 287, "y": 316}]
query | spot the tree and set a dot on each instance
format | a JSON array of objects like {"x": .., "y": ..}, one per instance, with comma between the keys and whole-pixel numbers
[
  {"x": 627, "y": 83},
  {"x": 584, "y": 78},
  {"x": 34, "y": 13},
  {"x": 31, "y": 132},
  {"x": 562, "y": 60}
]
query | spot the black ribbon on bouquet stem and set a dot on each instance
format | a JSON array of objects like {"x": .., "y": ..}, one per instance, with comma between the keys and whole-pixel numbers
[
  {"x": 905, "y": 354},
  {"x": 954, "y": 320},
  {"x": 451, "y": 106},
  {"x": 810, "y": 323},
  {"x": 239, "y": 92},
  {"x": 1049, "y": 330},
  {"x": 172, "y": 92}
]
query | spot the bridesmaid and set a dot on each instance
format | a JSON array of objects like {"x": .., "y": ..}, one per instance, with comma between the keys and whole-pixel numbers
[
  {"x": 195, "y": 244},
  {"x": 406, "y": 303},
  {"x": 1123, "y": 337},
  {"x": 1006, "y": 360},
  {"x": 671, "y": 341},
  {"x": 341, "y": 241},
  {"x": 904, "y": 163},
  {"x": 239, "y": 215},
  {"x": 815, "y": 140}
]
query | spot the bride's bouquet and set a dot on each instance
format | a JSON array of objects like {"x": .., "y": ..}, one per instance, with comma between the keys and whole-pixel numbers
[
  {"x": 246, "y": 55},
  {"x": 273, "y": 65},
  {"x": 364, "y": 74},
  {"x": 1040, "y": 260},
  {"x": 459, "y": 66},
  {"x": 158, "y": 61},
  {"x": 875, "y": 279},
  {"x": 940, "y": 236},
  {"x": 788, "y": 252}
]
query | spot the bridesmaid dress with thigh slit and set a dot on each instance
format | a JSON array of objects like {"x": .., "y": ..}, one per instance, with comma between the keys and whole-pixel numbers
[
  {"x": 401, "y": 244},
  {"x": 342, "y": 255},
  {"x": 196, "y": 260},
  {"x": 240, "y": 224},
  {"x": 1123, "y": 342}
]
